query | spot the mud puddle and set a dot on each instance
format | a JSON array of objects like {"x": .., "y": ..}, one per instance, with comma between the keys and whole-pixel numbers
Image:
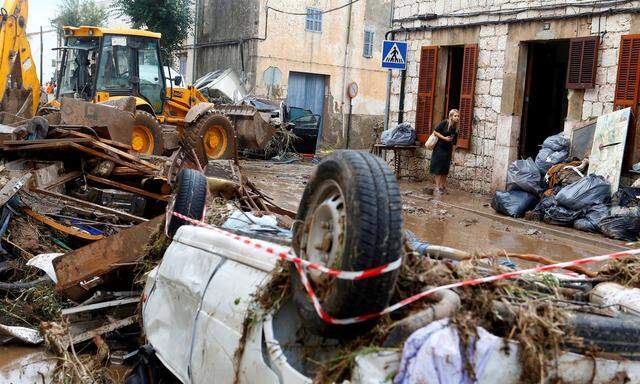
[
  {"x": 441, "y": 224},
  {"x": 21, "y": 365}
]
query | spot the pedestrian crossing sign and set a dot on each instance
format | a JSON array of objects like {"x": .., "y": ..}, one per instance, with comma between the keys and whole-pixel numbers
[{"x": 394, "y": 54}]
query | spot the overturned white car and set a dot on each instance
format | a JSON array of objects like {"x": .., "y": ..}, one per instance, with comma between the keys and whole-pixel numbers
[{"x": 204, "y": 320}]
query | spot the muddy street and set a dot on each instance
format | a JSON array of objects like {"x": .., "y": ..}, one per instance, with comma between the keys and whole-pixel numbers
[{"x": 459, "y": 220}]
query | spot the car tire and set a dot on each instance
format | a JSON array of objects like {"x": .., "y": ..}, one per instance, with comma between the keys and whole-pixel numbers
[
  {"x": 147, "y": 129},
  {"x": 371, "y": 236},
  {"x": 189, "y": 199}
]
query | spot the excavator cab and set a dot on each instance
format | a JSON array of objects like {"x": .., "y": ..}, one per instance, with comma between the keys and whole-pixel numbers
[{"x": 101, "y": 64}]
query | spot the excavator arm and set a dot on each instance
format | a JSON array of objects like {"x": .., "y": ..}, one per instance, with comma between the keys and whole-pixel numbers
[{"x": 19, "y": 84}]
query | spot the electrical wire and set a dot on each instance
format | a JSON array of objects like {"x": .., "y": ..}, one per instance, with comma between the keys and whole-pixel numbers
[
  {"x": 515, "y": 11},
  {"x": 305, "y": 13}
]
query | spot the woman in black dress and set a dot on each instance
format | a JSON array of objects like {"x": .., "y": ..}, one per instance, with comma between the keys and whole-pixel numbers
[{"x": 447, "y": 133}]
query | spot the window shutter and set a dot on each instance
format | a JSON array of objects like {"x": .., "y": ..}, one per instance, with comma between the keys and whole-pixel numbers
[
  {"x": 469, "y": 71},
  {"x": 426, "y": 89},
  {"x": 627, "y": 86},
  {"x": 583, "y": 60}
]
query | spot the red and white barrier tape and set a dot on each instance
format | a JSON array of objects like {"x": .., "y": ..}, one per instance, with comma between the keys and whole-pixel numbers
[
  {"x": 285, "y": 253},
  {"x": 482, "y": 280}
]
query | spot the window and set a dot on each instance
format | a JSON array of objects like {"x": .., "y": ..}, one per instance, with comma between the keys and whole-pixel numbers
[
  {"x": 368, "y": 44},
  {"x": 114, "y": 64},
  {"x": 151, "y": 80},
  {"x": 583, "y": 59},
  {"x": 314, "y": 20}
]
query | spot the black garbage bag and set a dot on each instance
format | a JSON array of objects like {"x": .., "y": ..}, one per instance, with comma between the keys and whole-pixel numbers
[
  {"x": 537, "y": 213},
  {"x": 402, "y": 134},
  {"x": 513, "y": 203},
  {"x": 585, "y": 193},
  {"x": 589, "y": 222},
  {"x": 558, "y": 215},
  {"x": 547, "y": 158},
  {"x": 627, "y": 197},
  {"x": 556, "y": 143},
  {"x": 524, "y": 175},
  {"x": 625, "y": 211},
  {"x": 619, "y": 227}
]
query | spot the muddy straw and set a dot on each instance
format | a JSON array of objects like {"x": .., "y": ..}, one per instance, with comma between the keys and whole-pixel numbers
[{"x": 483, "y": 280}]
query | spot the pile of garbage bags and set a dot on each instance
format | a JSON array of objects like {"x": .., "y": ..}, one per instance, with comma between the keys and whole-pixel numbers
[
  {"x": 558, "y": 191},
  {"x": 402, "y": 134}
]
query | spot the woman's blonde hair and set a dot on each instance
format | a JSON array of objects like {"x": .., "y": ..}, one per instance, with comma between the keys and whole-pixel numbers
[{"x": 451, "y": 112}]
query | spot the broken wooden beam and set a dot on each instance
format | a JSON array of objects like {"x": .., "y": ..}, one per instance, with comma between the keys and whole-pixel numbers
[
  {"x": 45, "y": 141},
  {"x": 63, "y": 179},
  {"x": 116, "y": 160},
  {"x": 120, "y": 214},
  {"x": 102, "y": 257},
  {"x": 128, "y": 188}
]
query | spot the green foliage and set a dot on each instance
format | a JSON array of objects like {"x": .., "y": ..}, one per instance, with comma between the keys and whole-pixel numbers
[
  {"x": 172, "y": 18},
  {"x": 75, "y": 13}
]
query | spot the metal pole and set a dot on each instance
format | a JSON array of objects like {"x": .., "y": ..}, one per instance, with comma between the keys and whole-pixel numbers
[
  {"x": 403, "y": 81},
  {"x": 349, "y": 121},
  {"x": 41, "y": 57},
  {"x": 387, "y": 104},
  {"x": 195, "y": 43}
]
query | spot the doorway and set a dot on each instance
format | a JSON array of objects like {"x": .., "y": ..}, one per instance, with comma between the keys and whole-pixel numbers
[
  {"x": 545, "y": 96},
  {"x": 305, "y": 97},
  {"x": 454, "y": 79}
]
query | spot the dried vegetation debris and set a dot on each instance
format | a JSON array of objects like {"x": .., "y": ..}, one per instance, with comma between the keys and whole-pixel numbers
[{"x": 528, "y": 311}]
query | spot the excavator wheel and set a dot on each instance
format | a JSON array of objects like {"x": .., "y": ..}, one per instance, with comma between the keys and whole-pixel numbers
[
  {"x": 216, "y": 131},
  {"x": 146, "y": 137}
]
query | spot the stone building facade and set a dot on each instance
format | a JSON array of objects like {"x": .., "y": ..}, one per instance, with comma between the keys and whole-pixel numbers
[
  {"x": 514, "y": 40},
  {"x": 274, "y": 44}
]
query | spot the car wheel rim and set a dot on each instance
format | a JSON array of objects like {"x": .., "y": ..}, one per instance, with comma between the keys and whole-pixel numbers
[{"x": 323, "y": 240}]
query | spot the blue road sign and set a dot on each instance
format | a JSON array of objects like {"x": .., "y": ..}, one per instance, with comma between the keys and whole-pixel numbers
[{"x": 394, "y": 54}]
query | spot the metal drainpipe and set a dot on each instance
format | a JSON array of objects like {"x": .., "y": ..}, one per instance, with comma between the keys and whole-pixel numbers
[
  {"x": 344, "y": 73},
  {"x": 387, "y": 104},
  {"x": 403, "y": 80}
]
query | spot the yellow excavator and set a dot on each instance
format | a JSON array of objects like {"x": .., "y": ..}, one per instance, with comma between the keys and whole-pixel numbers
[
  {"x": 19, "y": 85},
  {"x": 102, "y": 64}
]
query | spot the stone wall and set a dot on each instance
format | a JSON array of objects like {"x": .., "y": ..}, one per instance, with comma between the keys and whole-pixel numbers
[{"x": 501, "y": 75}]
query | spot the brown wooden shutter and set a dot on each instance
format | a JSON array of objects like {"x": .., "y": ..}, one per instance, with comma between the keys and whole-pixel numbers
[
  {"x": 583, "y": 60},
  {"x": 426, "y": 89},
  {"x": 467, "y": 93},
  {"x": 627, "y": 86}
]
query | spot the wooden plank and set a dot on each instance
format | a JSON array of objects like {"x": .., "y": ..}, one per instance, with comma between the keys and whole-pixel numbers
[
  {"x": 62, "y": 228},
  {"x": 125, "y": 155},
  {"x": 63, "y": 179},
  {"x": 55, "y": 145},
  {"x": 99, "y": 258},
  {"x": 114, "y": 159},
  {"x": 108, "y": 146},
  {"x": 129, "y": 188},
  {"x": 44, "y": 141},
  {"x": 124, "y": 146},
  {"x": 105, "y": 329},
  {"x": 125, "y": 171},
  {"x": 120, "y": 214}
]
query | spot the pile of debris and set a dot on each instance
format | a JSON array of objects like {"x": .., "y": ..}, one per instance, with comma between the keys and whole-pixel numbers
[{"x": 579, "y": 192}]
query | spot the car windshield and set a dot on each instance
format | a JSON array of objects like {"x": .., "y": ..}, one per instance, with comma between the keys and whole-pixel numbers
[{"x": 79, "y": 66}]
